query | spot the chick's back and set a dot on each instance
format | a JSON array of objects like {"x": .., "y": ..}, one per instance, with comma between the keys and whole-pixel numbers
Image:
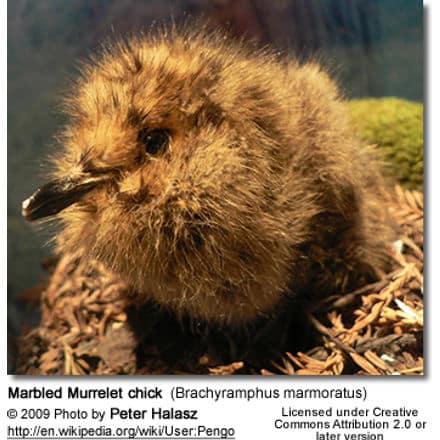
[{"x": 261, "y": 190}]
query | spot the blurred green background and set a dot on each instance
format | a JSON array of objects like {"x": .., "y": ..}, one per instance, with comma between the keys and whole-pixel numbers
[{"x": 374, "y": 47}]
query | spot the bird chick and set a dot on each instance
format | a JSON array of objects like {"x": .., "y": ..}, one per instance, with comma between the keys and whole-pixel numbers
[{"x": 214, "y": 177}]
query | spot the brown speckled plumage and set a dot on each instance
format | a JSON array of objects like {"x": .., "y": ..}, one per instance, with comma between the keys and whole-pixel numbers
[{"x": 262, "y": 190}]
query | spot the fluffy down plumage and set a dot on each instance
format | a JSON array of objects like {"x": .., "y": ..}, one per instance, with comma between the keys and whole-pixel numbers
[{"x": 260, "y": 189}]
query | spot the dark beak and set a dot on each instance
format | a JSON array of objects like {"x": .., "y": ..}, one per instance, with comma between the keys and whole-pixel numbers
[{"x": 57, "y": 195}]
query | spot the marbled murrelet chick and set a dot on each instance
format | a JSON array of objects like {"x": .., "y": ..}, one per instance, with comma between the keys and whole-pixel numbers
[{"x": 214, "y": 177}]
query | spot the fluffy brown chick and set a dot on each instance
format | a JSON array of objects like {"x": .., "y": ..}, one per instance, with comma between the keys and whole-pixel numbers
[{"x": 216, "y": 178}]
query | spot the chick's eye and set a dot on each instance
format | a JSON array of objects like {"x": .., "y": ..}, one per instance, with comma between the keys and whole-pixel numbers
[{"x": 154, "y": 141}]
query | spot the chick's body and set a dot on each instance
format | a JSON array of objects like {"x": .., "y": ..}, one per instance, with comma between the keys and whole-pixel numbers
[{"x": 260, "y": 190}]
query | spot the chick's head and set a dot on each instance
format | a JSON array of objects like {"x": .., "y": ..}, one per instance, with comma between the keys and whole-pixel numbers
[{"x": 169, "y": 174}]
